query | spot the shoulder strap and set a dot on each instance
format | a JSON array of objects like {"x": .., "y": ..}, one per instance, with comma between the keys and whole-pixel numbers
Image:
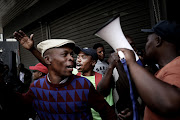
[{"x": 98, "y": 78}]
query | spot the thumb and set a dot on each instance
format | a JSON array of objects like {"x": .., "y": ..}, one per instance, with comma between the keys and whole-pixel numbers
[{"x": 31, "y": 36}]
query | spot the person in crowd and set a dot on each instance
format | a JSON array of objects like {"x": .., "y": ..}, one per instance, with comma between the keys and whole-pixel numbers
[
  {"x": 25, "y": 76},
  {"x": 101, "y": 65},
  {"x": 39, "y": 71},
  {"x": 64, "y": 96},
  {"x": 6, "y": 74},
  {"x": 8, "y": 109},
  {"x": 2, "y": 84},
  {"x": 116, "y": 78},
  {"x": 131, "y": 42},
  {"x": 139, "y": 52},
  {"x": 120, "y": 87},
  {"x": 160, "y": 92},
  {"x": 85, "y": 62},
  {"x": 151, "y": 67}
]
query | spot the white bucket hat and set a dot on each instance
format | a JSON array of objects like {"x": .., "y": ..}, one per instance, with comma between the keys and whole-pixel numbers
[{"x": 52, "y": 43}]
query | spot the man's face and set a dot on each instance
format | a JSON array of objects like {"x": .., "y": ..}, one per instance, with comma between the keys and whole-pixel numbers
[
  {"x": 150, "y": 46},
  {"x": 101, "y": 53},
  {"x": 131, "y": 42},
  {"x": 61, "y": 61},
  {"x": 84, "y": 62},
  {"x": 36, "y": 74}
]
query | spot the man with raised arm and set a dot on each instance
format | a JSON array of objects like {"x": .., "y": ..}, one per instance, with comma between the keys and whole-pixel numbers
[{"x": 61, "y": 95}]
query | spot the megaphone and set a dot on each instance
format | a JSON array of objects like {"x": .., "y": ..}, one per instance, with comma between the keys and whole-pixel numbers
[{"x": 112, "y": 33}]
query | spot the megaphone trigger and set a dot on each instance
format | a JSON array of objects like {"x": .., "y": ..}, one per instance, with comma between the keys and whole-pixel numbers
[{"x": 121, "y": 55}]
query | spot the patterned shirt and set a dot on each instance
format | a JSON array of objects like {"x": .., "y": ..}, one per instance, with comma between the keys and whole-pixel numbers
[{"x": 68, "y": 101}]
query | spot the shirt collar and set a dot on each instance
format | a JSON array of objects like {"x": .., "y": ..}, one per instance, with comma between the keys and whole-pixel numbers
[{"x": 61, "y": 82}]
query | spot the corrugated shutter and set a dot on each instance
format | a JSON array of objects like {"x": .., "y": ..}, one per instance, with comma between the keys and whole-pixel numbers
[{"x": 82, "y": 23}]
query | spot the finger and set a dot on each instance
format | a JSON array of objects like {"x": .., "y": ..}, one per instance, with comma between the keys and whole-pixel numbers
[
  {"x": 121, "y": 116},
  {"x": 22, "y": 33},
  {"x": 126, "y": 116},
  {"x": 125, "y": 110},
  {"x": 17, "y": 36}
]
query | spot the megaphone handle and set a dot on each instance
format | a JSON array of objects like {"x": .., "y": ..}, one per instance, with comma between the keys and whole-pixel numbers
[{"x": 121, "y": 55}]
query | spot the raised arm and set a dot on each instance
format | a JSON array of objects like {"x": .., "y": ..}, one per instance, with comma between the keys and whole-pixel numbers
[
  {"x": 152, "y": 90},
  {"x": 28, "y": 43},
  {"x": 107, "y": 81},
  {"x": 122, "y": 86}
]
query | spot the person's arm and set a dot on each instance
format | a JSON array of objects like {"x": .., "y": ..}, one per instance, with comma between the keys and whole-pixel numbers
[
  {"x": 159, "y": 96},
  {"x": 28, "y": 43},
  {"x": 107, "y": 81}
]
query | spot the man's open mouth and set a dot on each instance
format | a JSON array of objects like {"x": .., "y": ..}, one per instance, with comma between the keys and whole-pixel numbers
[
  {"x": 70, "y": 66},
  {"x": 78, "y": 66}
]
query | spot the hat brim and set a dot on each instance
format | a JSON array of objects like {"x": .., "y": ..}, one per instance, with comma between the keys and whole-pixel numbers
[
  {"x": 147, "y": 30},
  {"x": 77, "y": 50},
  {"x": 32, "y": 68},
  {"x": 39, "y": 69}
]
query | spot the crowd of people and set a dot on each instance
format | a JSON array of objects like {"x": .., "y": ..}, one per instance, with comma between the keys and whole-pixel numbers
[{"x": 94, "y": 88}]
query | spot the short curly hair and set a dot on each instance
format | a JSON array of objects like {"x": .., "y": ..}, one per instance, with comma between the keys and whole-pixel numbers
[{"x": 98, "y": 45}]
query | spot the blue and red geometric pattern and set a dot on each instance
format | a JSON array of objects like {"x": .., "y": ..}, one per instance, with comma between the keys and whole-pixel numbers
[{"x": 68, "y": 101}]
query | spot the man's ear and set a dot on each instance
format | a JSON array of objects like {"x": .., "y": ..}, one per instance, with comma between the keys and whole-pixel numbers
[
  {"x": 40, "y": 74},
  {"x": 93, "y": 62},
  {"x": 47, "y": 59},
  {"x": 158, "y": 41}
]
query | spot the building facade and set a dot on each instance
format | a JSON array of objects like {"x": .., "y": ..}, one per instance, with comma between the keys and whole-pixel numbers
[{"x": 78, "y": 20}]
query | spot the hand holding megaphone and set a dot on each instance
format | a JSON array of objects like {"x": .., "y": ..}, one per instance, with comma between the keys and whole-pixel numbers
[
  {"x": 121, "y": 55},
  {"x": 126, "y": 54}
]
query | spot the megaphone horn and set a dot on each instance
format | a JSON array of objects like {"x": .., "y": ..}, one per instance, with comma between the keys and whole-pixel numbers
[{"x": 112, "y": 33}]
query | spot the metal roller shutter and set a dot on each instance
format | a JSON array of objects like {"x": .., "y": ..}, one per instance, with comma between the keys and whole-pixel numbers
[{"x": 80, "y": 25}]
